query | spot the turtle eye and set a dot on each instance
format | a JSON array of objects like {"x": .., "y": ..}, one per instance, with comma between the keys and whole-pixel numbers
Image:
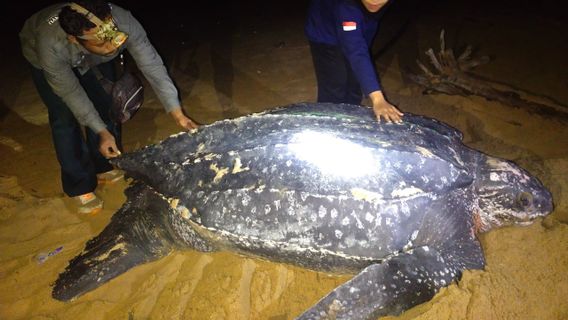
[{"x": 524, "y": 199}]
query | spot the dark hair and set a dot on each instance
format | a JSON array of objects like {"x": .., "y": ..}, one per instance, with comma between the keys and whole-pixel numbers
[{"x": 75, "y": 23}]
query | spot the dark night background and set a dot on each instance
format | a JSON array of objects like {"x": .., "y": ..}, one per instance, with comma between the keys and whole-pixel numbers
[{"x": 172, "y": 26}]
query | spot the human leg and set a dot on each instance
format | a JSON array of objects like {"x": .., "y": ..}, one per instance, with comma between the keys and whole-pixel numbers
[
  {"x": 331, "y": 72},
  {"x": 353, "y": 94},
  {"x": 102, "y": 101},
  {"x": 77, "y": 171}
]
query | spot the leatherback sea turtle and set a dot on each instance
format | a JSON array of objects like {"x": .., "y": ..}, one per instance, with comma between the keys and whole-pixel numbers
[{"x": 321, "y": 186}]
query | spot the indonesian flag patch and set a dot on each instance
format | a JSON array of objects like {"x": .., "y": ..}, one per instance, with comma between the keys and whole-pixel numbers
[{"x": 349, "y": 25}]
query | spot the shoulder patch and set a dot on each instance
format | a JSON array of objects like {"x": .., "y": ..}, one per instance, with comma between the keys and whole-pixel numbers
[
  {"x": 349, "y": 25},
  {"x": 52, "y": 19}
]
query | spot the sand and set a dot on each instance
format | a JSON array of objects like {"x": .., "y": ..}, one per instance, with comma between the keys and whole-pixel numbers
[{"x": 264, "y": 63}]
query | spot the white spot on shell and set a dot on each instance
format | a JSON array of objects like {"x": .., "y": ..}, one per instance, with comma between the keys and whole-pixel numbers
[
  {"x": 359, "y": 224},
  {"x": 353, "y": 290},
  {"x": 414, "y": 235},
  {"x": 246, "y": 199},
  {"x": 322, "y": 211},
  {"x": 334, "y": 213}
]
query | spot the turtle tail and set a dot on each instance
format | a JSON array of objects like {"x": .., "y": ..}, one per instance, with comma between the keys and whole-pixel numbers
[{"x": 135, "y": 235}]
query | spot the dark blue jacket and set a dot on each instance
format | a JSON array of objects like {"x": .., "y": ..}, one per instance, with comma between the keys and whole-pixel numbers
[{"x": 348, "y": 25}]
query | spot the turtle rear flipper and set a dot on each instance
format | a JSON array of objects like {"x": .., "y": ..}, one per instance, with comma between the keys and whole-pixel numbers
[
  {"x": 135, "y": 235},
  {"x": 388, "y": 288}
]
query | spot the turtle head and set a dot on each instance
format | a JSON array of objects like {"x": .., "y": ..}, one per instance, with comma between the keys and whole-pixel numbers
[{"x": 509, "y": 195}]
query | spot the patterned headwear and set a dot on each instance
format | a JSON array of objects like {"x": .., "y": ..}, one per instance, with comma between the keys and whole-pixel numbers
[{"x": 107, "y": 30}]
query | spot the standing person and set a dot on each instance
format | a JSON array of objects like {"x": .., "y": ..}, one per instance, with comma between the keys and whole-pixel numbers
[
  {"x": 64, "y": 43},
  {"x": 341, "y": 34}
]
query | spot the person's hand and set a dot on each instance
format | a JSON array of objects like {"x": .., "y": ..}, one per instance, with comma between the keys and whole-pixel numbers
[
  {"x": 107, "y": 145},
  {"x": 182, "y": 120},
  {"x": 384, "y": 109}
]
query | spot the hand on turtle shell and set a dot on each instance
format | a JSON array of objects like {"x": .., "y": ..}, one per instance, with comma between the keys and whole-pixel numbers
[
  {"x": 384, "y": 109},
  {"x": 107, "y": 145},
  {"x": 182, "y": 120}
]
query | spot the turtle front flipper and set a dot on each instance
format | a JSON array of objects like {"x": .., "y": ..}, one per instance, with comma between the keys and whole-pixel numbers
[
  {"x": 138, "y": 233},
  {"x": 388, "y": 288}
]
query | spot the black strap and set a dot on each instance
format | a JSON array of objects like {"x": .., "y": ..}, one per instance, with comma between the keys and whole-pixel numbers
[{"x": 121, "y": 70}]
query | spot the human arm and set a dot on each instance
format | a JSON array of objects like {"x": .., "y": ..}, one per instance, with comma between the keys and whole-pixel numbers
[
  {"x": 355, "y": 33},
  {"x": 383, "y": 108},
  {"x": 150, "y": 63},
  {"x": 107, "y": 145},
  {"x": 182, "y": 120},
  {"x": 54, "y": 59}
]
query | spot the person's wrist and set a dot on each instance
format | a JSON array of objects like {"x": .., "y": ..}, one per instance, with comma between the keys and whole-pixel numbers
[
  {"x": 377, "y": 97},
  {"x": 105, "y": 134},
  {"x": 177, "y": 114}
]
